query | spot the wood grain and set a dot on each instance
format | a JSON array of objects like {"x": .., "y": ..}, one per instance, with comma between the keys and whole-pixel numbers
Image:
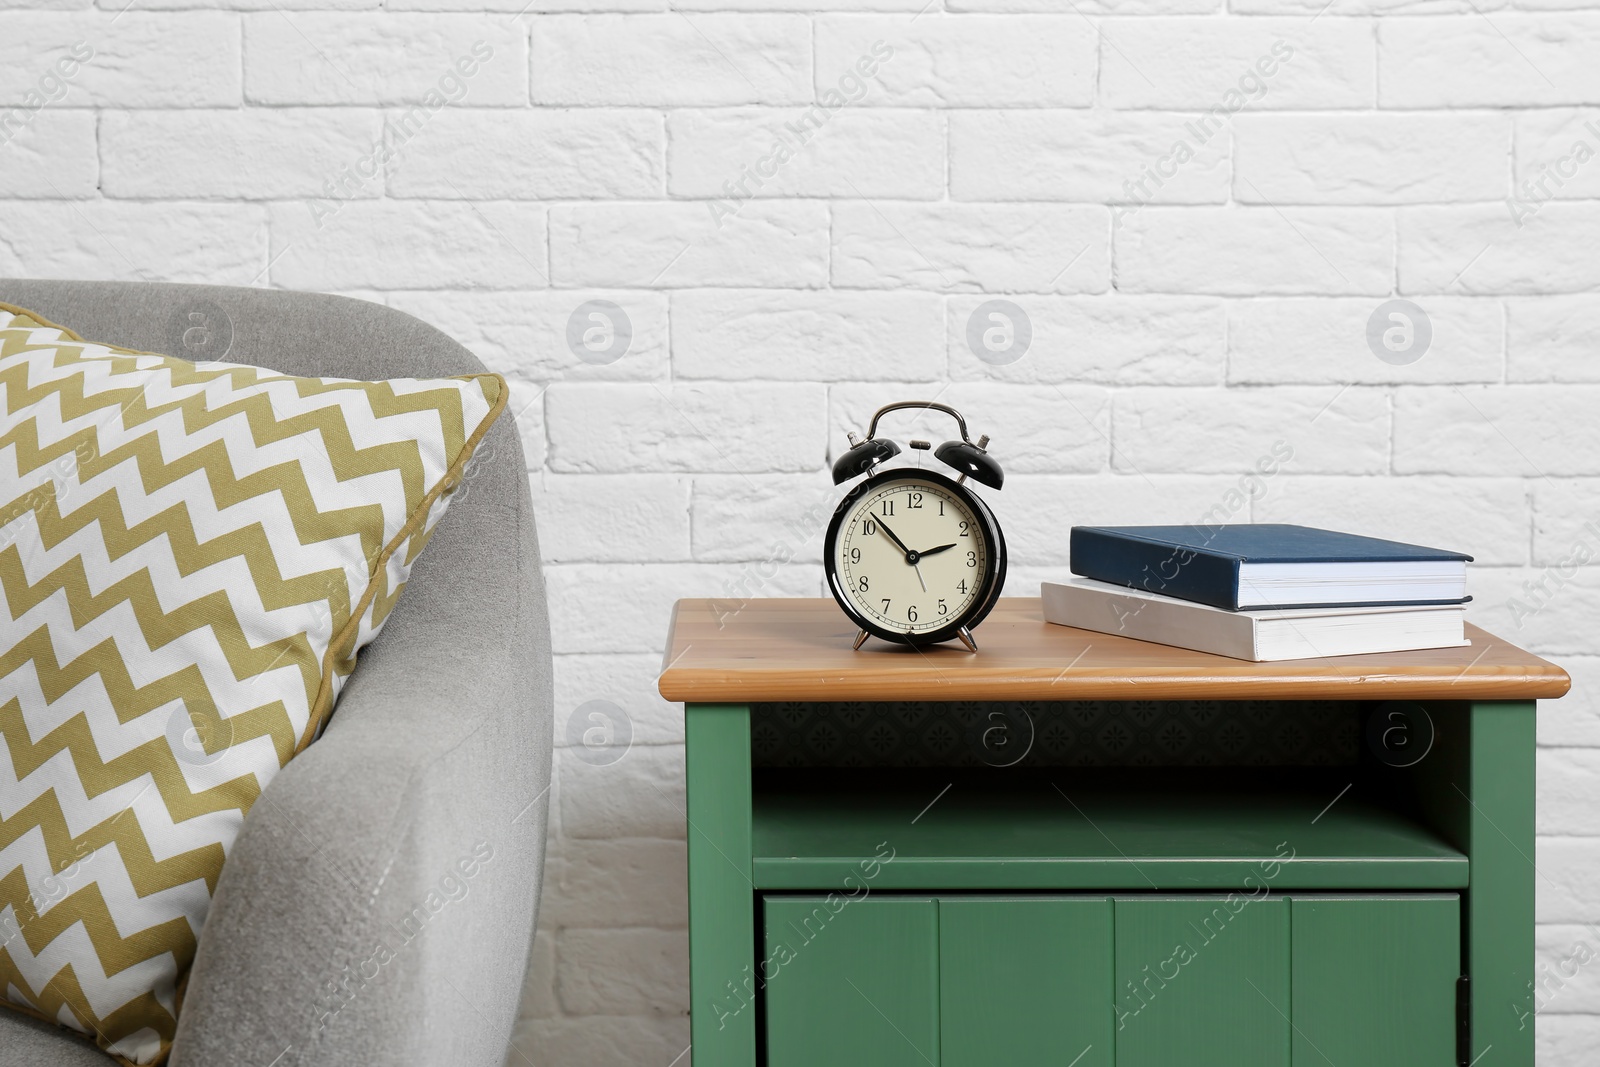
[{"x": 730, "y": 651}]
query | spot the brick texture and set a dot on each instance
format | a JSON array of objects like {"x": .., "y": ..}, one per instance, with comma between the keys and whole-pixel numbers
[{"x": 1141, "y": 243}]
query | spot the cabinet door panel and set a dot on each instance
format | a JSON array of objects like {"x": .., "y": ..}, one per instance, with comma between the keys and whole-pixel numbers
[
  {"x": 1202, "y": 982},
  {"x": 1025, "y": 982},
  {"x": 852, "y": 983},
  {"x": 1374, "y": 980}
]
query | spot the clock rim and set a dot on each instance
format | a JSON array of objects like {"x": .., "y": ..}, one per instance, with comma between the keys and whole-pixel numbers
[{"x": 994, "y": 569}]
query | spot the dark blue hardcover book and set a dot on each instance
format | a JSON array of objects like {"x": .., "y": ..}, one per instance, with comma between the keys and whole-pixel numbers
[{"x": 1268, "y": 565}]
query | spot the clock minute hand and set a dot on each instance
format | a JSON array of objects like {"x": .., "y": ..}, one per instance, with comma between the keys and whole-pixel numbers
[
  {"x": 885, "y": 528},
  {"x": 925, "y": 553}
]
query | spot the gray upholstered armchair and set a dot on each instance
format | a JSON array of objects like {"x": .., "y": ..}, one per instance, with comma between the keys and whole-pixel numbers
[{"x": 342, "y": 931}]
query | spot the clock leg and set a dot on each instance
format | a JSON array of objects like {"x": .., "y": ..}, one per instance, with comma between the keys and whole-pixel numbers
[
  {"x": 861, "y": 639},
  {"x": 967, "y": 639}
]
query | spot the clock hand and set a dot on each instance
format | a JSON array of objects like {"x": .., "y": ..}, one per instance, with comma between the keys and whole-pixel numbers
[
  {"x": 930, "y": 551},
  {"x": 885, "y": 528},
  {"x": 919, "y": 577}
]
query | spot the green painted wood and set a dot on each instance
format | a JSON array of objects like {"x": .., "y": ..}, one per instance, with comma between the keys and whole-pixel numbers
[
  {"x": 1166, "y": 832},
  {"x": 1477, "y": 786},
  {"x": 1025, "y": 981},
  {"x": 852, "y": 983},
  {"x": 723, "y": 982},
  {"x": 1202, "y": 981},
  {"x": 1374, "y": 980}
]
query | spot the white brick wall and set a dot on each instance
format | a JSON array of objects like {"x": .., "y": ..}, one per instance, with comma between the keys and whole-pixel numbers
[{"x": 798, "y": 207}]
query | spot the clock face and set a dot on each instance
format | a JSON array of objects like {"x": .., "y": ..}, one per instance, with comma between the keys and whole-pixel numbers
[{"x": 913, "y": 556}]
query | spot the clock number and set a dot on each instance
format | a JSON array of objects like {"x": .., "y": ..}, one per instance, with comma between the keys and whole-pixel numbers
[
  {"x": 869, "y": 528},
  {"x": 972, "y": 559},
  {"x": 911, "y": 613},
  {"x": 855, "y": 555},
  {"x": 886, "y": 607},
  {"x": 863, "y": 585},
  {"x": 941, "y": 509},
  {"x": 888, "y": 508},
  {"x": 944, "y": 610},
  {"x": 964, "y": 531},
  {"x": 913, "y": 500},
  {"x": 961, "y": 587}
]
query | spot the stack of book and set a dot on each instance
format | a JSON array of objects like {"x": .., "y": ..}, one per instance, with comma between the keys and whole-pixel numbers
[{"x": 1262, "y": 592}]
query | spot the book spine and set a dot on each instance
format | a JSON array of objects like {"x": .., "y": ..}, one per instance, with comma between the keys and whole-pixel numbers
[{"x": 1185, "y": 573}]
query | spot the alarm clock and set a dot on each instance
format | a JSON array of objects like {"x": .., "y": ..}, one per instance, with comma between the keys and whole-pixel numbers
[{"x": 914, "y": 556}]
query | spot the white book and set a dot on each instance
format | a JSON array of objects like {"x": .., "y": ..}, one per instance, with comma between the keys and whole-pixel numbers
[{"x": 1259, "y": 634}]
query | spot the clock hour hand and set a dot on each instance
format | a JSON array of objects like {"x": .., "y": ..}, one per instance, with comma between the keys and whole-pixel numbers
[{"x": 932, "y": 551}]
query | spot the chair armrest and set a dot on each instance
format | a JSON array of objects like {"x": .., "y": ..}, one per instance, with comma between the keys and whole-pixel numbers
[{"x": 379, "y": 902}]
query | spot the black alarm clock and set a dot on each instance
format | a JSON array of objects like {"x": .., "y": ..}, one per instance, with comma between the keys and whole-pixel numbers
[{"x": 914, "y": 556}]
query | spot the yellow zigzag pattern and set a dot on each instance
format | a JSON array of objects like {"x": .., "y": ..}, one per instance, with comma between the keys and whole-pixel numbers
[{"x": 124, "y": 429}]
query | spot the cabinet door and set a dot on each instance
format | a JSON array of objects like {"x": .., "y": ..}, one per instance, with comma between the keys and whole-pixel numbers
[
  {"x": 1025, "y": 982},
  {"x": 1375, "y": 980},
  {"x": 851, "y": 983},
  {"x": 1202, "y": 982}
]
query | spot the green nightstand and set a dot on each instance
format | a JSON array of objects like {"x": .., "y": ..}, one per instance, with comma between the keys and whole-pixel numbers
[{"x": 1076, "y": 849}]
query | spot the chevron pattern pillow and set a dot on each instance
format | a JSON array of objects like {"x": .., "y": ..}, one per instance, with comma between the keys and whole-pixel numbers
[{"x": 190, "y": 558}]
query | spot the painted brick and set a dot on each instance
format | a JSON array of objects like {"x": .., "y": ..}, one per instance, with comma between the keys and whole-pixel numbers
[
  {"x": 718, "y": 427},
  {"x": 1058, "y": 429},
  {"x": 1575, "y": 718},
  {"x": 1566, "y": 979},
  {"x": 1555, "y": 152},
  {"x": 732, "y": 154},
  {"x": 1121, "y": 340},
  {"x": 1552, "y": 339},
  {"x": 1313, "y": 430},
  {"x": 408, "y": 244},
  {"x": 631, "y": 882},
  {"x": 1349, "y": 8},
  {"x": 1481, "y": 248},
  {"x": 139, "y": 59},
  {"x": 1088, "y": 7},
  {"x": 49, "y": 153},
  {"x": 1037, "y": 510},
  {"x": 673, "y": 245},
  {"x": 970, "y": 61},
  {"x": 347, "y": 58},
  {"x": 639, "y": 597},
  {"x": 1250, "y": 251},
  {"x": 627, "y": 681},
  {"x": 174, "y": 240},
  {"x": 1566, "y": 520},
  {"x": 640, "y": 795},
  {"x": 1108, "y": 156},
  {"x": 806, "y": 336},
  {"x": 1566, "y": 1040},
  {"x": 1484, "y": 517},
  {"x": 623, "y": 518},
  {"x": 673, "y": 60},
  {"x": 624, "y": 972},
  {"x": 603, "y": 1039},
  {"x": 250, "y": 154},
  {"x": 1569, "y": 889},
  {"x": 1513, "y": 60},
  {"x": 1229, "y": 65},
  {"x": 1370, "y": 159},
  {"x": 1314, "y": 340},
  {"x": 553, "y": 335},
  {"x": 490, "y": 154},
  {"x": 1516, "y": 430},
  {"x": 1536, "y": 607},
  {"x": 774, "y": 518},
  {"x": 971, "y": 247},
  {"x": 1568, "y": 780}
]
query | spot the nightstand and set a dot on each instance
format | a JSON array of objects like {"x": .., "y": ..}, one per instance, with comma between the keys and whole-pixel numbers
[{"x": 1073, "y": 848}]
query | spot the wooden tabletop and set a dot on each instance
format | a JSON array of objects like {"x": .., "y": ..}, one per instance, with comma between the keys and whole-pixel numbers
[{"x": 729, "y": 651}]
